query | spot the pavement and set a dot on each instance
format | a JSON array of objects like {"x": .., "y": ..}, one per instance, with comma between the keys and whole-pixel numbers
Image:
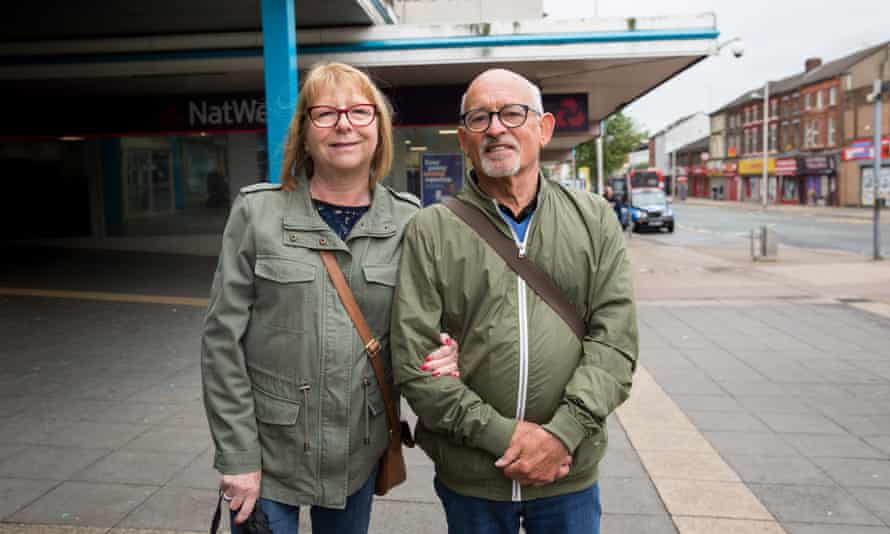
[
  {"x": 830, "y": 211},
  {"x": 762, "y": 404}
]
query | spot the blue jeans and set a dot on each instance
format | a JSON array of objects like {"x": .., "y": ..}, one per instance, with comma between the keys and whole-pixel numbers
[
  {"x": 354, "y": 519},
  {"x": 572, "y": 513}
]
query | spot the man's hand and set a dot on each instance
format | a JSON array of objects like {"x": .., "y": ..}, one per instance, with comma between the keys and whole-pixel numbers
[
  {"x": 244, "y": 490},
  {"x": 535, "y": 457}
]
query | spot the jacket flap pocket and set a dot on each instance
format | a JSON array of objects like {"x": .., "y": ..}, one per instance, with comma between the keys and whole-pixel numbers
[
  {"x": 381, "y": 274},
  {"x": 284, "y": 271},
  {"x": 375, "y": 399},
  {"x": 274, "y": 411}
]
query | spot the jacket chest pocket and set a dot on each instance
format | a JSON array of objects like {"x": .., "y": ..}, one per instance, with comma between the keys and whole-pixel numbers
[
  {"x": 286, "y": 293},
  {"x": 380, "y": 283}
]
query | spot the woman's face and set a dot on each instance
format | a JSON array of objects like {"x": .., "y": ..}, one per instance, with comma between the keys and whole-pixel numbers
[{"x": 344, "y": 147}]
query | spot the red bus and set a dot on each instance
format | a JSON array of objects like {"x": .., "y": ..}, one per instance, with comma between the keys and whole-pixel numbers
[{"x": 650, "y": 177}]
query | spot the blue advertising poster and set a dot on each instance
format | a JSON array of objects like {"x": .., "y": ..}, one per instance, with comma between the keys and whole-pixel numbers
[{"x": 441, "y": 176}]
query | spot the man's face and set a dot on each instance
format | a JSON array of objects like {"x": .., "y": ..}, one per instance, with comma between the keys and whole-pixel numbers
[{"x": 502, "y": 152}]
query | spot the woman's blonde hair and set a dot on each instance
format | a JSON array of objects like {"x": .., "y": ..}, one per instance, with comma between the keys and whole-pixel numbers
[{"x": 297, "y": 159}]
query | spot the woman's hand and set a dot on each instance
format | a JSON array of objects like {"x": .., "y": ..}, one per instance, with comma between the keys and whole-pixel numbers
[
  {"x": 241, "y": 493},
  {"x": 443, "y": 361}
]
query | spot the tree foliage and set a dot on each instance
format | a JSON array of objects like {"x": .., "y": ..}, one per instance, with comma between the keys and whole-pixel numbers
[{"x": 622, "y": 137}]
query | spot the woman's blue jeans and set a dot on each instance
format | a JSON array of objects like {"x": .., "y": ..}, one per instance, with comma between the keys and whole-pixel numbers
[{"x": 354, "y": 519}]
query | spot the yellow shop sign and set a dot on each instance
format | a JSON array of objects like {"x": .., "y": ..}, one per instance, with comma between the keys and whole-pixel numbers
[{"x": 755, "y": 165}]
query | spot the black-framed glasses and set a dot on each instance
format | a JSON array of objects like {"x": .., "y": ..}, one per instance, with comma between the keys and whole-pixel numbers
[
  {"x": 510, "y": 115},
  {"x": 328, "y": 116}
]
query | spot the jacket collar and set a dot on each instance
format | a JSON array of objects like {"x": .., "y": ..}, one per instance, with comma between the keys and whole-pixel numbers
[
  {"x": 301, "y": 215},
  {"x": 472, "y": 194}
]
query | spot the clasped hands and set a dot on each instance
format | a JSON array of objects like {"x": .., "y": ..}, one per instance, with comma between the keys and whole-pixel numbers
[{"x": 534, "y": 457}]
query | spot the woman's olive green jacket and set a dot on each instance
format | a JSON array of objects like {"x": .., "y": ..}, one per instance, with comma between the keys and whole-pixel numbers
[{"x": 287, "y": 385}]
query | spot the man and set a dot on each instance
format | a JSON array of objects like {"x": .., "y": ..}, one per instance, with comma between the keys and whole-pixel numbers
[{"x": 519, "y": 436}]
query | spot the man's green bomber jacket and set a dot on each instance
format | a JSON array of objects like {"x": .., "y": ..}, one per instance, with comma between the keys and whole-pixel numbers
[{"x": 518, "y": 358}]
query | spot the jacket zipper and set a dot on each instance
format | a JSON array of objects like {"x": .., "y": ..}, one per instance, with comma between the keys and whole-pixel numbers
[
  {"x": 305, "y": 389},
  {"x": 365, "y": 384},
  {"x": 521, "y": 290}
]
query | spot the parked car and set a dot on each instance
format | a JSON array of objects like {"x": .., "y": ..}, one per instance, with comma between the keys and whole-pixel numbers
[{"x": 649, "y": 208}]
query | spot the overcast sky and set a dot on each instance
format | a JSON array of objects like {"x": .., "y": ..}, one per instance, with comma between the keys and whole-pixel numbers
[{"x": 778, "y": 35}]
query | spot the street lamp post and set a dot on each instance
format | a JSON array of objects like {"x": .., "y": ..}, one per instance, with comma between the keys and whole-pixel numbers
[
  {"x": 876, "y": 94},
  {"x": 599, "y": 159},
  {"x": 765, "y": 183}
]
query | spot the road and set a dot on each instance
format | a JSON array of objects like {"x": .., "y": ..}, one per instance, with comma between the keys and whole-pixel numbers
[{"x": 707, "y": 225}]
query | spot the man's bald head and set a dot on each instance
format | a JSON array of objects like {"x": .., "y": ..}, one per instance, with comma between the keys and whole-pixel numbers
[{"x": 503, "y": 76}]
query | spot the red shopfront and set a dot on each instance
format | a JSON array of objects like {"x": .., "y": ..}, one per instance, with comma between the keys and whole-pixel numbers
[
  {"x": 791, "y": 186},
  {"x": 700, "y": 183}
]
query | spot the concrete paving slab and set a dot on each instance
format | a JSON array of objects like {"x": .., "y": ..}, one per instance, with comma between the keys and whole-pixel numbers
[
  {"x": 726, "y": 421},
  {"x": 199, "y": 474},
  {"x": 628, "y": 495},
  {"x": 708, "y": 525},
  {"x": 396, "y": 517},
  {"x": 621, "y": 463},
  {"x": 8, "y": 528},
  {"x": 877, "y": 500},
  {"x": 776, "y": 469},
  {"x": 637, "y": 524},
  {"x": 759, "y": 443},
  {"x": 16, "y": 493},
  {"x": 801, "y": 423},
  {"x": 686, "y": 465},
  {"x": 175, "y": 509},
  {"x": 758, "y": 405},
  {"x": 814, "y": 504},
  {"x": 801, "y": 528},
  {"x": 882, "y": 443},
  {"x": 85, "y": 504},
  {"x": 138, "y": 467},
  {"x": 708, "y": 403},
  {"x": 857, "y": 472},
  {"x": 171, "y": 440},
  {"x": 844, "y": 446},
  {"x": 49, "y": 463},
  {"x": 698, "y": 498}
]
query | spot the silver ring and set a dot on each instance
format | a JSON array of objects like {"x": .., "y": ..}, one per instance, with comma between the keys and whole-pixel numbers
[{"x": 226, "y": 497}]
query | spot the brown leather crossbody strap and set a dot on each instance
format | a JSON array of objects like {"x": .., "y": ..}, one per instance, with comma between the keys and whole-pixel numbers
[
  {"x": 372, "y": 346},
  {"x": 533, "y": 275}
]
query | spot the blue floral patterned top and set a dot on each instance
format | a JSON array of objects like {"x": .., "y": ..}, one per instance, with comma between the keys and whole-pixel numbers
[{"x": 341, "y": 219}]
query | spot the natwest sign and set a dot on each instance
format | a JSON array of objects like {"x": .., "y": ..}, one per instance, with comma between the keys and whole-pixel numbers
[
  {"x": 210, "y": 113},
  {"x": 864, "y": 149}
]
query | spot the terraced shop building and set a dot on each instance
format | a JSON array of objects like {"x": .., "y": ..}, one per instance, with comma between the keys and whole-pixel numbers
[{"x": 133, "y": 124}]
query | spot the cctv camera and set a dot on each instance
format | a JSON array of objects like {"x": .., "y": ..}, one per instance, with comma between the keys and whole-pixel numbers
[{"x": 738, "y": 48}]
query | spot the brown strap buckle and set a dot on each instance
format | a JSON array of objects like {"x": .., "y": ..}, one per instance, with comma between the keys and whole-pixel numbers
[{"x": 373, "y": 347}]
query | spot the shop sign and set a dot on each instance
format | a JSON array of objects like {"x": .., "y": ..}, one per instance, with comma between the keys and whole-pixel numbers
[
  {"x": 211, "y": 113},
  {"x": 786, "y": 166},
  {"x": 730, "y": 168},
  {"x": 755, "y": 166},
  {"x": 868, "y": 185},
  {"x": 570, "y": 111},
  {"x": 698, "y": 170},
  {"x": 441, "y": 176},
  {"x": 816, "y": 164},
  {"x": 715, "y": 167},
  {"x": 863, "y": 149}
]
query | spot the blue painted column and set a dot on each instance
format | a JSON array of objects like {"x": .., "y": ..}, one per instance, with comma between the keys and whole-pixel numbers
[{"x": 280, "y": 70}]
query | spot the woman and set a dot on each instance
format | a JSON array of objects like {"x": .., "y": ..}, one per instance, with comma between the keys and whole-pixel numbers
[{"x": 293, "y": 403}]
